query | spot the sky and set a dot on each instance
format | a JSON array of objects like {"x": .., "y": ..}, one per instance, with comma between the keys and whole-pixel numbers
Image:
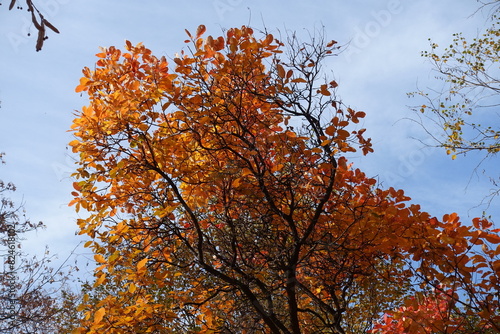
[{"x": 380, "y": 65}]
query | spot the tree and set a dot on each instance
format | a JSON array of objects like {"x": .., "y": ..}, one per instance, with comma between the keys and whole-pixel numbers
[
  {"x": 220, "y": 198},
  {"x": 465, "y": 111},
  {"x": 39, "y": 22},
  {"x": 30, "y": 289}
]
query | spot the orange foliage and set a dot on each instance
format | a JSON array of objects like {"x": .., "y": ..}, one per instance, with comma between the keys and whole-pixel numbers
[
  {"x": 220, "y": 197},
  {"x": 433, "y": 313}
]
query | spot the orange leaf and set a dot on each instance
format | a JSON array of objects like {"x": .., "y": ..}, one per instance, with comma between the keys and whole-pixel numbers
[
  {"x": 141, "y": 263},
  {"x": 269, "y": 39},
  {"x": 299, "y": 80},
  {"x": 325, "y": 142},
  {"x": 281, "y": 70},
  {"x": 330, "y": 130},
  {"x": 245, "y": 172},
  {"x": 317, "y": 150},
  {"x": 360, "y": 114},
  {"x": 492, "y": 238},
  {"x": 83, "y": 85},
  {"x": 331, "y": 43},
  {"x": 99, "y": 258},
  {"x": 343, "y": 133},
  {"x": 236, "y": 183},
  {"x": 201, "y": 29},
  {"x": 324, "y": 90}
]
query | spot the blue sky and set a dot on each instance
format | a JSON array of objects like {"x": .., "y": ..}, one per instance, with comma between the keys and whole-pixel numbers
[{"x": 380, "y": 65}]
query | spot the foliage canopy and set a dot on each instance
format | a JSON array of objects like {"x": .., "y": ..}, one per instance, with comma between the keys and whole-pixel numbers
[{"x": 221, "y": 200}]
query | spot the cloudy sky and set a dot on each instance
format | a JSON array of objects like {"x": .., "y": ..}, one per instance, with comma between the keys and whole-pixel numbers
[{"x": 380, "y": 65}]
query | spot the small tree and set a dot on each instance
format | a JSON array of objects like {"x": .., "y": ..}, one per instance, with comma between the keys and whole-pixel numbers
[
  {"x": 465, "y": 111},
  {"x": 30, "y": 288}
]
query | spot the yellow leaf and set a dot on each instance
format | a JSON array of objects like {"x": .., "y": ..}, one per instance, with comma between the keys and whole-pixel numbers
[
  {"x": 99, "y": 315},
  {"x": 100, "y": 280},
  {"x": 114, "y": 256}
]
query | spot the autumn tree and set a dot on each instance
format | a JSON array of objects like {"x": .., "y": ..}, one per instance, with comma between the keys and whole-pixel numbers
[
  {"x": 220, "y": 198},
  {"x": 31, "y": 290}
]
